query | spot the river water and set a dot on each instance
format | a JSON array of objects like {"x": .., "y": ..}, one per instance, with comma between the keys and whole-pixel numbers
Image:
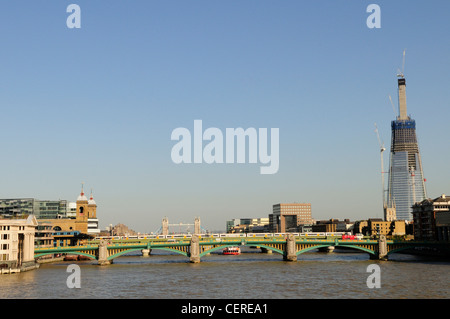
[{"x": 251, "y": 275}]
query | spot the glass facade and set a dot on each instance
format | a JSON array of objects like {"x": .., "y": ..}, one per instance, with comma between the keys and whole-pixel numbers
[
  {"x": 42, "y": 209},
  {"x": 406, "y": 183},
  {"x": 16, "y": 207}
]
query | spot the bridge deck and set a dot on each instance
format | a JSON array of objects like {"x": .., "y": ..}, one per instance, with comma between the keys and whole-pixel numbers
[{"x": 116, "y": 248}]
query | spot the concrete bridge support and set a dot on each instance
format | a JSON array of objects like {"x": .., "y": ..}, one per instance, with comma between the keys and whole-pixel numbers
[
  {"x": 290, "y": 250},
  {"x": 146, "y": 252},
  {"x": 103, "y": 253},
  {"x": 194, "y": 256},
  {"x": 382, "y": 249}
]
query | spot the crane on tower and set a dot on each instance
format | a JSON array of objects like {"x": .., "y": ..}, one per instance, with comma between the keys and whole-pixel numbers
[
  {"x": 382, "y": 149},
  {"x": 401, "y": 73},
  {"x": 393, "y": 107}
]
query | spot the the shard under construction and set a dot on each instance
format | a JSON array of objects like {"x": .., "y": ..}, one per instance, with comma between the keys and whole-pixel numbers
[{"x": 406, "y": 184}]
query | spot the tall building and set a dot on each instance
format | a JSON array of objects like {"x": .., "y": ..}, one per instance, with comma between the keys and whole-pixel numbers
[
  {"x": 406, "y": 183},
  {"x": 288, "y": 217}
]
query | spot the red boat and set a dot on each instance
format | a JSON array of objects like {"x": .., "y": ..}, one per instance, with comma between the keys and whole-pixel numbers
[{"x": 232, "y": 251}]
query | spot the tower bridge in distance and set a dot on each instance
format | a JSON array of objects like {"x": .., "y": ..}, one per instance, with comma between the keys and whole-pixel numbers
[
  {"x": 165, "y": 227},
  {"x": 198, "y": 246}
]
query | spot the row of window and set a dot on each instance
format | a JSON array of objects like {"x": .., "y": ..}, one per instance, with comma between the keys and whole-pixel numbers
[{"x": 9, "y": 227}]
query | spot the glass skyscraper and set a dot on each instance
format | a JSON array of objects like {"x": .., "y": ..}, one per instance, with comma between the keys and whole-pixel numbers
[{"x": 406, "y": 184}]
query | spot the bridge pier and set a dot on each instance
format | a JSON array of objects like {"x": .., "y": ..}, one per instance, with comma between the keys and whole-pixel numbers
[
  {"x": 146, "y": 252},
  {"x": 194, "y": 254},
  {"x": 103, "y": 253},
  {"x": 382, "y": 249},
  {"x": 290, "y": 250}
]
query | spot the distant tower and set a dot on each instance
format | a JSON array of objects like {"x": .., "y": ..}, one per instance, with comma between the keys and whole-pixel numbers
[
  {"x": 165, "y": 226},
  {"x": 82, "y": 206},
  {"x": 390, "y": 213},
  {"x": 92, "y": 207},
  {"x": 197, "y": 229},
  {"x": 406, "y": 183}
]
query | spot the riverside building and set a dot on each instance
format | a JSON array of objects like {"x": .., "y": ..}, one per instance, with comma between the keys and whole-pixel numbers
[
  {"x": 85, "y": 220},
  {"x": 432, "y": 219},
  {"x": 17, "y": 244},
  {"x": 59, "y": 222}
]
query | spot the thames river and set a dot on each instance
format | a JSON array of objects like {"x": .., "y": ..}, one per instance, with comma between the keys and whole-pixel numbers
[{"x": 251, "y": 275}]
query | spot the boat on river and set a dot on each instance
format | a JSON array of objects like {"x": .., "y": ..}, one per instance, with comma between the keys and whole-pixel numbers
[{"x": 232, "y": 251}]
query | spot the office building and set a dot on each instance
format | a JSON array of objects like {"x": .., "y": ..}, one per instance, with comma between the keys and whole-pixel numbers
[
  {"x": 287, "y": 217},
  {"x": 42, "y": 209}
]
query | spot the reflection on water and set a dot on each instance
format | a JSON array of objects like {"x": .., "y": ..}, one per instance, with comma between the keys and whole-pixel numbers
[{"x": 340, "y": 274}]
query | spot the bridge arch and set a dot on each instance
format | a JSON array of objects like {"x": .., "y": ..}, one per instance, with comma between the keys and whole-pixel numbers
[
  {"x": 221, "y": 246},
  {"x": 357, "y": 247},
  {"x": 70, "y": 253},
  {"x": 311, "y": 248},
  {"x": 278, "y": 251},
  {"x": 137, "y": 249},
  {"x": 215, "y": 248},
  {"x": 396, "y": 250},
  {"x": 354, "y": 247},
  {"x": 123, "y": 252}
]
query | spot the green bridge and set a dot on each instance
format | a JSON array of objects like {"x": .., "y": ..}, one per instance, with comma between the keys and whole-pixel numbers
[{"x": 105, "y": 251}]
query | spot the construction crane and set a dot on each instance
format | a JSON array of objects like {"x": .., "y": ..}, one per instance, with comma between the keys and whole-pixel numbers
[
  {"x": 382, "y": 149},
  {"x": 401, "y": 74},
  {"x": 393, "y": 106}
]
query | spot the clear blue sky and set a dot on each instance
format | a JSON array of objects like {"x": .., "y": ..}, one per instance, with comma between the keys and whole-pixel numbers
[{"x": 98, "y": 104}]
